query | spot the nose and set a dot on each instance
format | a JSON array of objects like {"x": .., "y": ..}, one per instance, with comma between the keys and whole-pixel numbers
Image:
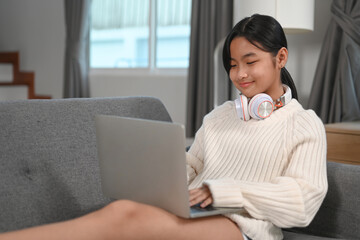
[
  {"x": 238, "y": 74},
  {"x": 242, "y": 74}
]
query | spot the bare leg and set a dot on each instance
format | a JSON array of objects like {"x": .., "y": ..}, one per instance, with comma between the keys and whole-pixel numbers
[
  {"x": 139, "y": 221},
  {"x": 130, "y": 220},
  {"x": 88, "y": 227}
]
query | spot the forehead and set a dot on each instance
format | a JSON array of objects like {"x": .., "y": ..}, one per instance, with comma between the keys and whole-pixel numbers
[{"x": 241, "y": 47}]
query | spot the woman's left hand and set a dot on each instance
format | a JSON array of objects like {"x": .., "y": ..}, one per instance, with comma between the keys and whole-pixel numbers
[{"x": 200, "y": 195}]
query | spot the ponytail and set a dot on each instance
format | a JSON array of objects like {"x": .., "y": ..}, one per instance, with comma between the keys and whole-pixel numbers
[{"x": 287, "y": 80}]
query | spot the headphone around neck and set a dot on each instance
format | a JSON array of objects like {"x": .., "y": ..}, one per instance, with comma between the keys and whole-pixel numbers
[{"x": 261, "y": 105}]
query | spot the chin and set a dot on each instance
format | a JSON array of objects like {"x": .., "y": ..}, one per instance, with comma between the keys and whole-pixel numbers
[{"x": 247, "y": 94}]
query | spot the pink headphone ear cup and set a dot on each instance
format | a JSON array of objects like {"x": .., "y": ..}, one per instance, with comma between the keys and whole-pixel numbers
[{"x": 244, "y": 109}]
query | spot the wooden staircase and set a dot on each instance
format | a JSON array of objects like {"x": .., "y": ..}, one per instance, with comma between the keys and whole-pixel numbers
[{"x": 20, "y": 78}]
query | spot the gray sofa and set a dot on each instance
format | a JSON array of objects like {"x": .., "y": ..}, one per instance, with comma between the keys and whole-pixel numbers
[{"x": 49, "y": 168}]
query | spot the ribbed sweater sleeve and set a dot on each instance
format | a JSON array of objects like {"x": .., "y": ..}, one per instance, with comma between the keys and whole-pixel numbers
[{"x": 294, "y": 197}]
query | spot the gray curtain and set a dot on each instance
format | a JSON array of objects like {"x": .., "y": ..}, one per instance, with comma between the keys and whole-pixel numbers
[
  {"x": 211, "y": 20},
  {"x": 77, "y": 23},
  {"x": 335, "y": 94}
]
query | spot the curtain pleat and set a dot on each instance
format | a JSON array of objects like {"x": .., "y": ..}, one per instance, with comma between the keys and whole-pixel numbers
[
  {"x": 211, "y": 20},
  {"x": 76, "y": 70},
  {"x": 335, "y": 94}
]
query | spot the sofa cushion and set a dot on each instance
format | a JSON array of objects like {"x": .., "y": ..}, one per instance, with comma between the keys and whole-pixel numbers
[
  {"x": 339, "y": 215},
  {"x": 48, "y": 159},
  {"x": 300, "y": 236}
]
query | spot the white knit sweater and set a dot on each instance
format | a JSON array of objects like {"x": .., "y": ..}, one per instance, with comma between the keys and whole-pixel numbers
[{"x": 274, "y": 168}]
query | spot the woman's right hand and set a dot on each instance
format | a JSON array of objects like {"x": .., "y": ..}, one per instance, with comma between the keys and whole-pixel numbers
[{"x": 200, "y": 195}]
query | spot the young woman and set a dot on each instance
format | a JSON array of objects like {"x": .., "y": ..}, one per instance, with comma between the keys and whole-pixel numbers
[
  {"x": 272, "y": 162},
  {"x": 262, "y": 152}
]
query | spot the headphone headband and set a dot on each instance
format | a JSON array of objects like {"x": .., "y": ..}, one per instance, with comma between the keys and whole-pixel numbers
[
  {"x": 286, "y": 98},
  {"x": 261, "y": 105}
]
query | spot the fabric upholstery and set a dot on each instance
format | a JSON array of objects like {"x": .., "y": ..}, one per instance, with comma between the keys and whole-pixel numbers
[
  {"x": 299, "y": 236},
  {"x": 48, "y": 160},
  {"x": 339, "y": 215},
  {"x": 49, "y": 169}
]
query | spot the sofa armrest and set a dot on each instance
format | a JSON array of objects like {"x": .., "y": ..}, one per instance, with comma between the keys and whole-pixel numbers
[{"x": 339, "y": 215}]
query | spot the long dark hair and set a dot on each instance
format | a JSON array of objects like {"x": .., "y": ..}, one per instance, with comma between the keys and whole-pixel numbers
[{"x": 265, "y": 33}]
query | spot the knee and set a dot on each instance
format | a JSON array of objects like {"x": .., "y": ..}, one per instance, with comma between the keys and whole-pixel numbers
[
  {"x": 124, "y": 211},
  {"x": 120, "y": 205},
  {"x": 125, "y": 217},
  {"x": 119, "y": 219}
]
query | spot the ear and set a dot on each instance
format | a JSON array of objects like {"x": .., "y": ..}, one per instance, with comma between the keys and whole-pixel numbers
[{"x": 281, "y": 57}]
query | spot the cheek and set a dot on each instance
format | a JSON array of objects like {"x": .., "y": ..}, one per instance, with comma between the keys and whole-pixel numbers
[
  {"x": 259, "y": 74},
  {"x": 232, "y": 75},
  {"x": 262, "y": 71}
]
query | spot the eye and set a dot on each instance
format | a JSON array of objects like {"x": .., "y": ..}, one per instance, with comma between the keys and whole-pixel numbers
[
  {"x": 252, "y": 62},
  {"x": 233, "y": 65}
]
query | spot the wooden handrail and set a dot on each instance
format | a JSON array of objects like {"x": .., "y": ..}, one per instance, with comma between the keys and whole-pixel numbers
[{"x": 20, "y": 78}]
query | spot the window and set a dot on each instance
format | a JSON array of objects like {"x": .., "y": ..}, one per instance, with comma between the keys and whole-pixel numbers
[{"x": 140, "y": 34}]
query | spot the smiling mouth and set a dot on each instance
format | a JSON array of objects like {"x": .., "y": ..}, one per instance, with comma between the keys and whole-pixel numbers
[{"x": 245, "y": 84}]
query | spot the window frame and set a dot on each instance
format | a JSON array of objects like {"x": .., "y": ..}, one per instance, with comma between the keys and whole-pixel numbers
[{"x": 151, "y": 69}]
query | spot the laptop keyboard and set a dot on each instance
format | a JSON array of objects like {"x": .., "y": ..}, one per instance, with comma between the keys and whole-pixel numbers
[{"x": 197, "y": 208}]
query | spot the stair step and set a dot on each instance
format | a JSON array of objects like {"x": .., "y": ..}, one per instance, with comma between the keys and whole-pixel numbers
[{"x": 19, "y": 78}]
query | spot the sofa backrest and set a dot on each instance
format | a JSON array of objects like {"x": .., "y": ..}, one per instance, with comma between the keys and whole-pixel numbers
[
  {"x": 339, "y": 215},
  {"x": 48, "y": 160}
]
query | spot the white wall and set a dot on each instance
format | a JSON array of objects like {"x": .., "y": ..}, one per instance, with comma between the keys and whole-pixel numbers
[
  {"x": 36, "y": 28},
  {"x": 304, "y": 51},
  {"x": 169, "y": 88}
]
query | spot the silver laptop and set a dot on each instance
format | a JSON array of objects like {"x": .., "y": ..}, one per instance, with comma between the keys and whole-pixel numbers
[{"x": 144, "y": 161}]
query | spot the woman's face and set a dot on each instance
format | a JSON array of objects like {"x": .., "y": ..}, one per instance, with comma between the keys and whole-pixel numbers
[{"x": 255, "y": 71}]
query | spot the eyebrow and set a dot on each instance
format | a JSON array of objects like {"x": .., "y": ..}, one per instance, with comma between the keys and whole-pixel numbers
[{"x": 250, "y": 54}]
